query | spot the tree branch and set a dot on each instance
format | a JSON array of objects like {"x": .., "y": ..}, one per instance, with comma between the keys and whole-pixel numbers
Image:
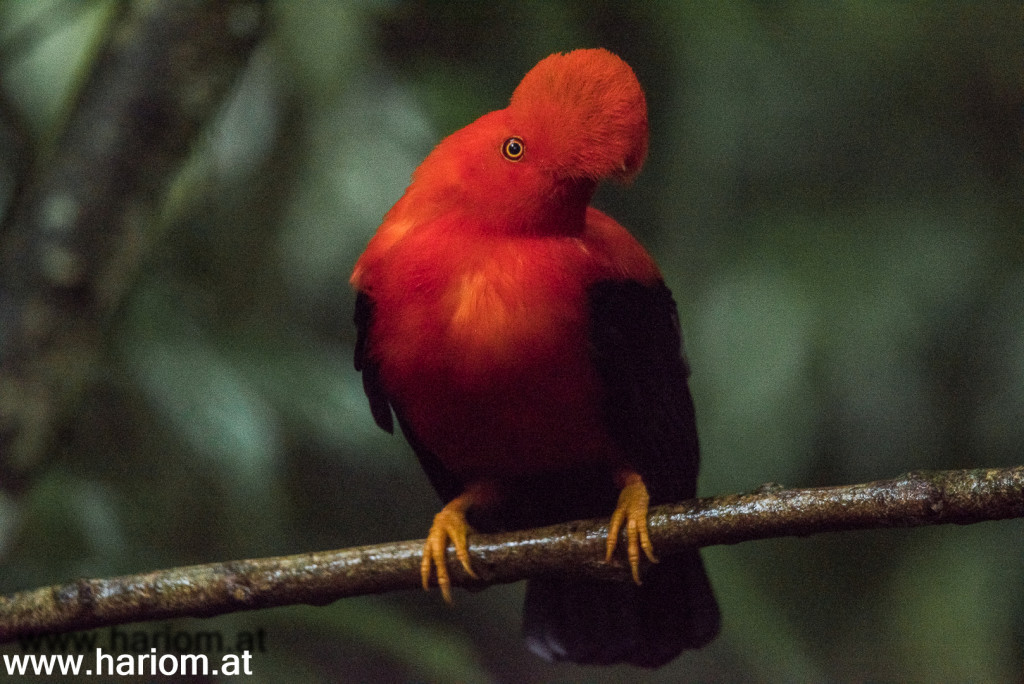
[{"x": 920, "y": 498}]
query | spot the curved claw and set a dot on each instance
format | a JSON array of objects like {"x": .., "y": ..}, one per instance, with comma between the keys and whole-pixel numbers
[
  {"x": 631, "y": 511},
  {"x": 449, "y": 524}
]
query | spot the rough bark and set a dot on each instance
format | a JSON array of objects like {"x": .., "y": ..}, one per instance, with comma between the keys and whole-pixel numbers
[{"x": 921, "y": 498}]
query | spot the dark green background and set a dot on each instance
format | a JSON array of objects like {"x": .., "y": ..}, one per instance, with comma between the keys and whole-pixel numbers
[{"x": 834, "y": 193}]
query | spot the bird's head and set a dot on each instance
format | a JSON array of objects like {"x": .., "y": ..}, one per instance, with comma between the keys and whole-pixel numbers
[
  {"x": 575, "y": 119},
  {"x": 585, "y": 114}
]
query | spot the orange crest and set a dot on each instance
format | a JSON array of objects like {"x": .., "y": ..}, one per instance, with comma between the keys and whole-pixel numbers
[{"x": 593, "y": 109}]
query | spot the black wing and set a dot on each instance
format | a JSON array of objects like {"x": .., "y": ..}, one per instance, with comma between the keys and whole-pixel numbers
[
  {"x": 636, "y": 347},
  {"x": 447, "y": 486},
  {"x": 637, "y": 350}
]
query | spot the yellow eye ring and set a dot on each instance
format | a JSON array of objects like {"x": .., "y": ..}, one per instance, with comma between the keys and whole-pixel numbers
[{"x": 513, "y": 149}]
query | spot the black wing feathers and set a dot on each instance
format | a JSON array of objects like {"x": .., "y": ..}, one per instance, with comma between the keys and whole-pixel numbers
[
  {"x": 636, "y": 347},
  {"x": 637, "y": 350}
]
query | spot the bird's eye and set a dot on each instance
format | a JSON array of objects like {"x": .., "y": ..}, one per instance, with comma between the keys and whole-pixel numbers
[{"x": 513, "y": 149}]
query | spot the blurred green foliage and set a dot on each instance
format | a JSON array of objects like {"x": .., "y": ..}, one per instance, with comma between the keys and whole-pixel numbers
[{"x": 834, "y": 192}]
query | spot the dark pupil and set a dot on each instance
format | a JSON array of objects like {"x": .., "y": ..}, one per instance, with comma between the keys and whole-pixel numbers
[{"x": 513, "y": 148}]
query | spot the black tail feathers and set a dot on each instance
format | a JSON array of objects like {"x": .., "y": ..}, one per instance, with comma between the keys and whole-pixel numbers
[{"x": 602, "y": 622}]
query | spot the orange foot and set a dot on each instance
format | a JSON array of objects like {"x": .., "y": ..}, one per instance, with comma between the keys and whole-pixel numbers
[
  {"x": 631, "y": 511},
  {"x": 450, "y": 524}
]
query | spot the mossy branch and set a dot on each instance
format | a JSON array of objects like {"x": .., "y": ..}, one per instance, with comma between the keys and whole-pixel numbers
[{"x": 919, "y": 498}]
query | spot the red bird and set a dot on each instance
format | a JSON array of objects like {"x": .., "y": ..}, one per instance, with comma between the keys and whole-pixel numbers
[{"x": 531, "y": 353}]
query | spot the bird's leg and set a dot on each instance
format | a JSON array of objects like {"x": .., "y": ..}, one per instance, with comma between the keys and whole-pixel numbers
[
  {"x": 631, "y": 511},
  {"x": 450, "y": 524}
]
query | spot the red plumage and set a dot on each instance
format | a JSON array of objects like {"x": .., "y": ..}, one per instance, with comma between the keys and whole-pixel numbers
[{"x": 531, "y": 352}]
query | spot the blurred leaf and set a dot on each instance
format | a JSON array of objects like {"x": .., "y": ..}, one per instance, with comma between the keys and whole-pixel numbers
[
  {"x": 754, "y": 341},
  {"x": 363, "y": 150},
  {"x": 42, "y": 79},
  {"x": 428, "y": 653},
  {"x": 207, "y": 399},
  {"x": 951, "y": 613}
]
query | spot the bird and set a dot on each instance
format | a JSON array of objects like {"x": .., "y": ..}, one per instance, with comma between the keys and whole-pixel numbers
[{"x": 531, "y": 352}]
